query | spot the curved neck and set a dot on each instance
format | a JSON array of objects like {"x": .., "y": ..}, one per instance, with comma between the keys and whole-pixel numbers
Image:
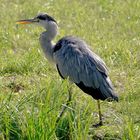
[
  {"x": 46, "y": 45},
  {"x": 46, "y": 38},
  {"x": 51, "y": 31}
]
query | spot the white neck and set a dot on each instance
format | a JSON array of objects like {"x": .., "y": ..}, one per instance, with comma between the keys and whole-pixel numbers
[{"x": 46, "y": 40}]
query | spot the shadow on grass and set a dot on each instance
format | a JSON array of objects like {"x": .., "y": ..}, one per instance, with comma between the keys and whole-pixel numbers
[
  {"x": 63, "y": 129},
  {"x": 13, "y": 132}
]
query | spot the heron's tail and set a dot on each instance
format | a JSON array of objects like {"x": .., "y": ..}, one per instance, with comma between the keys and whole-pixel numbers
[{"x": 107, "y": 90}]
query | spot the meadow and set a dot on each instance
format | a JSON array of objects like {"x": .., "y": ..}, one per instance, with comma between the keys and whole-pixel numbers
[{"x": 31, "y": 91}]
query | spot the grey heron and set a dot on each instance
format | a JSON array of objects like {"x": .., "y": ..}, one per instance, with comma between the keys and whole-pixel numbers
[{"x": 75, "y": 60}]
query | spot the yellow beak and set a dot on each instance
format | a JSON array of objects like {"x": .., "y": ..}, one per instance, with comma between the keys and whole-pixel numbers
[{"x": 26, "y": 21}]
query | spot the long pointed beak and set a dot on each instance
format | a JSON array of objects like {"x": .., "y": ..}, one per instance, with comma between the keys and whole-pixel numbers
[{"x": 26, "y": 21}]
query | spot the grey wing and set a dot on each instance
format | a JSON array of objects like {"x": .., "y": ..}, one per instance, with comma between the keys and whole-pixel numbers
[{"x": 82, "y": 65}]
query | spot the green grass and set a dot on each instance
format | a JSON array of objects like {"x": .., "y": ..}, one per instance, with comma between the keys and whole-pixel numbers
[{"x": 31, "y": 91}]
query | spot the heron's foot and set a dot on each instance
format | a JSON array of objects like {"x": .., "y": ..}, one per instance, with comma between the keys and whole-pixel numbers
[{"x": 98, "y": 124}]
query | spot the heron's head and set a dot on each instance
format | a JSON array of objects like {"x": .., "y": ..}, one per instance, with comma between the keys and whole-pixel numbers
[{"x": 42, "y": 19}]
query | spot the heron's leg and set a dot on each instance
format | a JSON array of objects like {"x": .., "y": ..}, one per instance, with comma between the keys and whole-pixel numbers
[
  {"x": 65, "y": 106},
  {"x": 100, "y": 115}
]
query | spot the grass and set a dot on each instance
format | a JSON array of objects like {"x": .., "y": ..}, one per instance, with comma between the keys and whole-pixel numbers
[{"x": 31, "y": 91}]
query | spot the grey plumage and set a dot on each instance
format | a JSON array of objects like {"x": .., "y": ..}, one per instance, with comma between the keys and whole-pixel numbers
[{"x": 75, "y": 60}]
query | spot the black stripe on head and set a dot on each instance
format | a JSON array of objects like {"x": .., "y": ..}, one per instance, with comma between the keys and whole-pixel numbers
[{"x": 46, "y": 17}]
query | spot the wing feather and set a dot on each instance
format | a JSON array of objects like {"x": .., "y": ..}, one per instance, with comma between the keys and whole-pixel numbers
[{"x": 76, "y": 61}]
